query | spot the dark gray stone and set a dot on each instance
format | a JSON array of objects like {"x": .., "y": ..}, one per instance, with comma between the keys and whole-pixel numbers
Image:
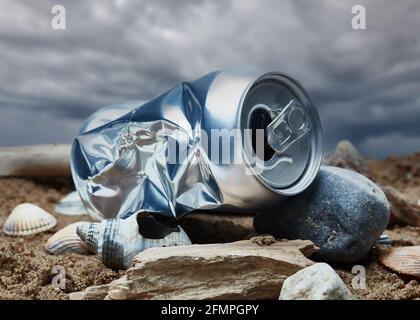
[{"x": 342, "y": 212}]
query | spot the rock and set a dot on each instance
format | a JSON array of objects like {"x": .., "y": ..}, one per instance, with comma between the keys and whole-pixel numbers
[
  {"x": 237, "y": 270},
  {"x": 215, "y": 227},
  {"x": 403, "y": 212},
  {"x": 317, "y": 282},
  {"x": 342, "y": 212},
  {"x": 346, "y": 156}
]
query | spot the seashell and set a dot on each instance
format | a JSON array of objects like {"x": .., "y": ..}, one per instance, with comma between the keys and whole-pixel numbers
[
  {"x": 71, "y": 205},
  {"x": 27, "y": 219},
  {"x": 405, "y": 260},
  {"x": 117, "y": 241},
  {"x": 66, "y": 240},
  {"x": 384, "y": 239}
]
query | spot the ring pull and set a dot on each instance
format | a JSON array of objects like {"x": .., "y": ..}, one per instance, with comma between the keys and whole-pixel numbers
[{"x": 291, "y": 124}]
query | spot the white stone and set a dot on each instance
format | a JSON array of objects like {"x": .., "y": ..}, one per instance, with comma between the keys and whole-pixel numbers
[{"x": 317, "y": 282}]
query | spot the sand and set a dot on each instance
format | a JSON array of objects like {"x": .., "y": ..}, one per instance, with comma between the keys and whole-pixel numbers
[
  {"x": 403, "y": 173},
  {"x": 26, "y": 270},
  {"x": 382, "y": 284}
]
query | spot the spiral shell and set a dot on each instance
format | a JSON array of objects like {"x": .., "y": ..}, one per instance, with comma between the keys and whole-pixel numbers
[
  {"x": 27, "y": 219},
  {"x": 384, "y": 239},
  {"x": 71, "y": 205},
  {"x": 66, "y": 240},
  {"x": 117, "y": 241}
]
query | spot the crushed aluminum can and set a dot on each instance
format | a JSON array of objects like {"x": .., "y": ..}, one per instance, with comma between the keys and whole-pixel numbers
[{"x": 237, "y": 141}]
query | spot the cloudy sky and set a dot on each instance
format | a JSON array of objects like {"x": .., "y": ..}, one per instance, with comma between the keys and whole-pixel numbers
[{"x": 365, "y": 83}]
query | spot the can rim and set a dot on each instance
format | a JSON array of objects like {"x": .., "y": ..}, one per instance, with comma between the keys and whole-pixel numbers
[{"x": 316, "y": 154}]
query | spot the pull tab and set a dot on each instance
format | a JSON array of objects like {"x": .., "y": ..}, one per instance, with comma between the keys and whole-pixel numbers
[{"x": 290, "y": 125}]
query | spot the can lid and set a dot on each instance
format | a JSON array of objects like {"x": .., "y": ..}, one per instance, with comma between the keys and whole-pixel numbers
[{"x": 283, "y": 136}]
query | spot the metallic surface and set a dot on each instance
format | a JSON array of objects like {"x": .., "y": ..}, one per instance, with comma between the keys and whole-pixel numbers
[{"x": 120, "y": 158}]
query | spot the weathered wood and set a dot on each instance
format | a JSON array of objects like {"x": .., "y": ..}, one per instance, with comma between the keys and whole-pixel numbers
[
  {"x": 91, "y": 293},
  {"x": 36, "y": 161},
  {"x": 237, "y": 270}
]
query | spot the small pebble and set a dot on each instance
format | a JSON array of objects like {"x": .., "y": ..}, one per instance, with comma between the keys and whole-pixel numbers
[
  {"x": 263, "y": 240},
  {"x": 317, "y": 282}
]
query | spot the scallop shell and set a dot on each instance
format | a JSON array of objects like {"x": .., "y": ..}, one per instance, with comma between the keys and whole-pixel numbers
[
  {"x": 66, "y": 240},
  {"x": 405, "y": 260},
  {"x": 71, "y": 205},
  {"x": 117, "y": 241},
  {"x": 27, "y": 219}
]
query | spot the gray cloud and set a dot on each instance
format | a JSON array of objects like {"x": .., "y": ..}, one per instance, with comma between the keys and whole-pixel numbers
[
  {"x": 396, "y": 141},
  {"x": 365, "y": 83}
]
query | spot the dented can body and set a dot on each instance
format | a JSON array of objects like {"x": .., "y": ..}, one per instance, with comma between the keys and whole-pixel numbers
[{"x": 237, "y": 141}]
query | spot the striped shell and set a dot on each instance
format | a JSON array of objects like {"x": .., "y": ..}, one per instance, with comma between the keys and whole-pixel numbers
[
  {"x": 27, "y": 219},
  {"x": 384, "y": 239},
  {"x": 117, "y": 241},
  {"x": 66, "y": 240},
  {"x": 404, "y": 260},
  {"x": 71, "y": 205}
]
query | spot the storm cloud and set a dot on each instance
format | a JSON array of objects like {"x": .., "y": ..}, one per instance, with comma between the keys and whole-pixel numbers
[{"x": 365, "y": 83}]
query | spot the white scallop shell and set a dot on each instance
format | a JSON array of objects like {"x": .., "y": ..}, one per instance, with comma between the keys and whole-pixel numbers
[
  {"x": 71, "y": 205},
  {"x": 27, "y": 219},
  {"x": 66, "y": 240}
]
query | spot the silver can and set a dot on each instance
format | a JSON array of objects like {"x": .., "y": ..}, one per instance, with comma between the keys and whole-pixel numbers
[{"x": 237, "y": 141}]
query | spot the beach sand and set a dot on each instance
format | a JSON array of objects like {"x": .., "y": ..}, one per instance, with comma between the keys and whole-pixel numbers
[{"x": 26, "y": 269}]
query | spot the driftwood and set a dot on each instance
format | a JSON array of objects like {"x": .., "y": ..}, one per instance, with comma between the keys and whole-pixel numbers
[
  {"x": 36, "y": 161},
  {"x": 238, "y": 270},
  {"x": 403, "y": 211},
  {"x": 91, "y": 293},
  {"x": 214, "y": 227}
]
